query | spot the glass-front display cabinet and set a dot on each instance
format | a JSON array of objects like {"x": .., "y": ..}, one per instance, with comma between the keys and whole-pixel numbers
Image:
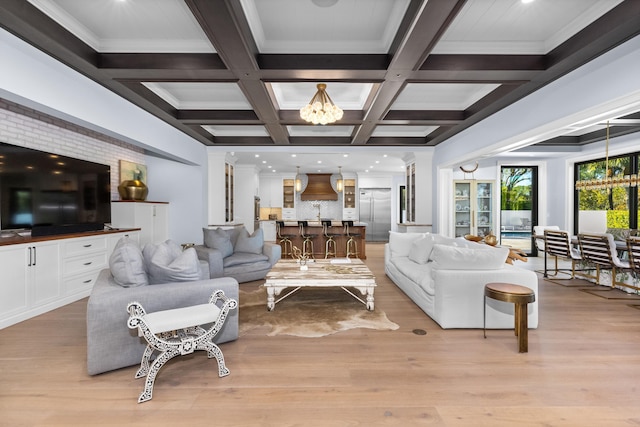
[{"x": 474, "y": 207}]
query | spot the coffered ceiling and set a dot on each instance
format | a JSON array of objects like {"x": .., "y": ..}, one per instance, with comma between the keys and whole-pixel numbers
[{"x": 407, "y": 73}]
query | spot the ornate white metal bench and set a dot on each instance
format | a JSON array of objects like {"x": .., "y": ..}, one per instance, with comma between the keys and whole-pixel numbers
[{"x": 178, "y": 332}]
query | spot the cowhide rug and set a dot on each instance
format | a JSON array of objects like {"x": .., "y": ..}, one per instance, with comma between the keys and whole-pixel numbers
[{"x": 309, "y": 313}]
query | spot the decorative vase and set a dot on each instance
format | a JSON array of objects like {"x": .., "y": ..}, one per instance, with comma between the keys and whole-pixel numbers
[{"x": 133, "y": 189}]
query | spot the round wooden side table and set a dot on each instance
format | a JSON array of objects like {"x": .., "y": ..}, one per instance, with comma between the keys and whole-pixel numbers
[{"x": 520, "y": 296}]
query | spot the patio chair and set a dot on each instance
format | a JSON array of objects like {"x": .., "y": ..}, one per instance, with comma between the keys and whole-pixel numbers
[{"x": 600, "y": 250}]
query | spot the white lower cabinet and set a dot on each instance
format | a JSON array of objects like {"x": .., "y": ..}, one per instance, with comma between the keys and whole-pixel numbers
[
  {"x": 41, "y": 276},
  {"x": 13, "y": 291},
  {"x": 268, "y": 230}
]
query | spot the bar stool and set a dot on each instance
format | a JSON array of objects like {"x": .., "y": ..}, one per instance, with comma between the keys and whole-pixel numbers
[
  {"x": 352, "y": 245},
  {"x": 284, "y": 240},
  {"x": 330, "y": 244},
  {"x": 307, "y": 239}
]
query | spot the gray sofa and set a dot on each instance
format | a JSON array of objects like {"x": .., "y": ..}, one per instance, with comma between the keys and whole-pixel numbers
[
  {"x": 163, "y": 278},
  {"x": 235, "y": 253},
  {"x": 112, "y": 345}
]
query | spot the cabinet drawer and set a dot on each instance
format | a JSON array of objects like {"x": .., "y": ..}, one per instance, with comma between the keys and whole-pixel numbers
[
  {"x": 85, "y": 264},
  {"x": 84, "y": 246},
  {"x": 75, "y": 284}
]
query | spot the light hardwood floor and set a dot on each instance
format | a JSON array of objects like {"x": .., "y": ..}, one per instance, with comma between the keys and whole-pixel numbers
[{"x": 582, "y": 369}]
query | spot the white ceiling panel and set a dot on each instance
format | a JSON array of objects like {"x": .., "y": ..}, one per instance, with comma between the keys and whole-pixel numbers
[
  {"x": 199, "y": 96},
  {"x": 320, "y": 131},
  {"x": 513, "y": 27},
  {"x": 230, "y": 130},
  {"x": 301, "y": 26},
  {"x": 441, "y": 96},
  {"x": 115, "y": 25},
  {"x": 412, "y": 131},
  {"x": 348, "y": 96}
]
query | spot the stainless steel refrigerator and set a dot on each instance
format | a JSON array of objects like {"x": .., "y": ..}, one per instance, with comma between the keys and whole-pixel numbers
[{"x": 375, "y": 210}]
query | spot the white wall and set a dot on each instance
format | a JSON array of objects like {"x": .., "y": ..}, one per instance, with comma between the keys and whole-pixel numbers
[{"x": 32, "y": 79}]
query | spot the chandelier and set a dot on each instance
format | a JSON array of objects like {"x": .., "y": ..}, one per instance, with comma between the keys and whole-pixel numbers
[
  {"x": 609, "y": 181},
  {"x": 321, "y": 109}
]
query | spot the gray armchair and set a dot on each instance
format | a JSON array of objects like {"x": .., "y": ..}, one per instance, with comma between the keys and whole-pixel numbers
[{"x": 233, "y": 253}]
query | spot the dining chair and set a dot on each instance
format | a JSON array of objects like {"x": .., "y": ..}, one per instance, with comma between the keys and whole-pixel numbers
[
  {"x": 600, "y": 250},
  {"x": 633, "y": 251},
  {"x": 557, "y": 243},
  {"x": 539, "y": 240}
]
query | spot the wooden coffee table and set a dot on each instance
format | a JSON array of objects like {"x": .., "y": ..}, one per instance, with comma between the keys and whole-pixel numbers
[{"x": 320, "y": 274}]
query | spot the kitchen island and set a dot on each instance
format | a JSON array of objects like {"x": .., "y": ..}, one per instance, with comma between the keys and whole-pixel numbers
[{"x": 337, "y": 229}]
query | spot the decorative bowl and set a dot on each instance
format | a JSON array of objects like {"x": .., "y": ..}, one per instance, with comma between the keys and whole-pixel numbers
[
  {"x": 472, "y": 237},
  {"x": 491, "y": 240}
]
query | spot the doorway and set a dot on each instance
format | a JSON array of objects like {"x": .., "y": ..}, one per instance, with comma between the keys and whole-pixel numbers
[{"x": 518, "y": 207}]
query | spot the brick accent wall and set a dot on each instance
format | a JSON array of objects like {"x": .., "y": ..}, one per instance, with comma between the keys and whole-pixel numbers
[{"x": 29, "y": 128}]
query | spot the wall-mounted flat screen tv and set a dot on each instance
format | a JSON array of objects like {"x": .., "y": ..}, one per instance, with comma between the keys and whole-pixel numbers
[{"x": 52, "y": 194}]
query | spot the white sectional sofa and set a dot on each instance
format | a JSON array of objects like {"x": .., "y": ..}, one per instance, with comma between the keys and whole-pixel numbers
[{"x": 445, "y": 277}]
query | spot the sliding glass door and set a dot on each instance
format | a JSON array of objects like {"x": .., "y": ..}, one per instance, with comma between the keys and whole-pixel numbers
[{"x": 518, "y": 207}]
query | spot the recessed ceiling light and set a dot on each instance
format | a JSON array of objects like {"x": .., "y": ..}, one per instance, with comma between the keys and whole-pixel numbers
[
  {"x": 264, "y": 161},
  {"x": 384, "y": 155},
  {"x": 526, "y": 1},
  {"x": 257, "y": 155},
  {"x": 345, "y": 155},
  {"x": 294, "y": 155},
  {"x": 377, "y": 161},
  {"x": 319, "y": 161}
]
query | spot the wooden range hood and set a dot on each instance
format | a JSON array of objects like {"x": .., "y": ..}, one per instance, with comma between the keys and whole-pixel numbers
[{"x": 319, "y": 188}]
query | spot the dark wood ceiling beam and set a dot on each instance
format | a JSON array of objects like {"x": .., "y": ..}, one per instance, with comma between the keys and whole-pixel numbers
[
  {"x": 226, "y": 27},
  {"x": 436, "y": 116},
  {"x": 396, "y": 141},
  {"x": 323, "y": 62},
  {"x": 421, "y": 32},
  {"x": 472, "y": 76},
  {"x": 238, "y": 116},
  {"x": 161, "y": 61},
  {"x": 484, "y": 62},
  {"x": 166, "y": 75},
  {"x": 320, "y": 141}
]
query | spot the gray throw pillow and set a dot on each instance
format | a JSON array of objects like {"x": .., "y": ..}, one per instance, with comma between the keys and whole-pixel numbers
[
  {"x": 127, "y": 264},
  {"x": 218, "y": 239},
  {"x": 166, "y": 267},
  {"x": 251, "y": 244}
]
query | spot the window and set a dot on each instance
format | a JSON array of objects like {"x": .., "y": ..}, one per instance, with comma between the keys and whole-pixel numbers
[{"x": 602, "y": 208}]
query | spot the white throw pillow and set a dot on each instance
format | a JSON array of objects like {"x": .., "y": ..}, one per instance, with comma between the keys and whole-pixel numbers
[
  {"x": 459, "y": 258},
  {"x": 127, "y": 264},
  {"x": 400, "y": 243},
  {"x": 421, "y": 249}
]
